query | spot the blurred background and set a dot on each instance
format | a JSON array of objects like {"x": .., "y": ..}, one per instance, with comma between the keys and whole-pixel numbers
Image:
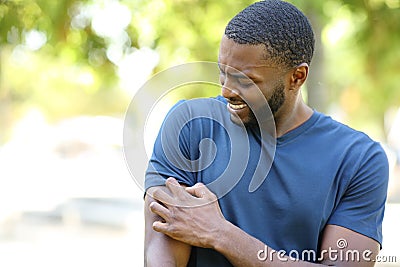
[{"x": 69, "y": 69}]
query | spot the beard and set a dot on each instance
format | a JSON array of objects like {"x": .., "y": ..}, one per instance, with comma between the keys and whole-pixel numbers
[{"x": 275, "y": 102}]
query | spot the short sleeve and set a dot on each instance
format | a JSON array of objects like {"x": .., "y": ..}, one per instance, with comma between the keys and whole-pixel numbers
[
  {"x": 362, "y": 206},
  {"x": 171, "y": 154}
]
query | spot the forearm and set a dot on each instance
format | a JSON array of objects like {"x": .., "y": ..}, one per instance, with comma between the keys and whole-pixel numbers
[
  {"x": 192, "y": 225},
  {"x": 243, "y": 250},
  {"x": 193, "y": 216}
]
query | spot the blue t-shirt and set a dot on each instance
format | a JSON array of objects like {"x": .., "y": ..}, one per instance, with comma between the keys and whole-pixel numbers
[{"x": 322, "y": 172}]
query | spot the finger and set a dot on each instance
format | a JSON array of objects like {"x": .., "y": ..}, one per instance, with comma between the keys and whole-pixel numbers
[
  {"x": 161, "y": 227},
  {"x": 196, "y": 190},
  {"x": 160, "y": 210},
  {"x": 175, "y": 188},
  {"x": 162, "y": 196},
  {"x": 201, "y": 191}
]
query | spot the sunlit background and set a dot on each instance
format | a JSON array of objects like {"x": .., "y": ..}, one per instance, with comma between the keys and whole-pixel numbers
[{"x": 69, "y": 69}]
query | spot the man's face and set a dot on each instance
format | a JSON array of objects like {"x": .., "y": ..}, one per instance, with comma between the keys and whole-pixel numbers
[{"x": 244, "y": 73}]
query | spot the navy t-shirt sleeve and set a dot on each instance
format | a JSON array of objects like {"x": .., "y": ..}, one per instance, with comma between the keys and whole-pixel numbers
[
  {"x": 171, "y": 155},
  {"x": 361, "y": 208}
]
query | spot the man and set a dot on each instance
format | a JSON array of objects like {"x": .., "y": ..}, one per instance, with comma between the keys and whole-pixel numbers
[{"x": 321, "y": 202}]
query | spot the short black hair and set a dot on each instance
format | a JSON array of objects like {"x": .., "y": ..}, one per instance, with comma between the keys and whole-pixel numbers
[{"x": 280, "y": 26}]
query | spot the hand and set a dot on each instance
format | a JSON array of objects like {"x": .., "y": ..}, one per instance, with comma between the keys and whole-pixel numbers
[{"x": 191, "y": 215}]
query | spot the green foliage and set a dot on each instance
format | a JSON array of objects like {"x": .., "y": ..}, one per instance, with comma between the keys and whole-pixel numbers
[
  {"x": 53, "y": 55},
  {"x": 62, "y": 76},
  {"x": 183, "y": 30},
  {"x": 363, "y": 63}
]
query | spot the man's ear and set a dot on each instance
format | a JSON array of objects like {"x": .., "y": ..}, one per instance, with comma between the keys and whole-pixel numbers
[{"x": 299, "y": 76}]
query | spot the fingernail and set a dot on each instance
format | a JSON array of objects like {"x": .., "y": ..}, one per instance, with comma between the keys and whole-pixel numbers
[{"x": 172, "y": 180}]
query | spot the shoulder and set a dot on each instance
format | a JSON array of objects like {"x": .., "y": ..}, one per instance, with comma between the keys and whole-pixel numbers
[
  {"x": 200, "y": 103},
  {"x": 196, "y": 116},
  {"x": 198, "y": 111},
  {"x": 363, "y": 155},
  {"x": 343, "y": 134},
  {"x": 352, "y": 147},
  {"x": 328, "y": 124}
]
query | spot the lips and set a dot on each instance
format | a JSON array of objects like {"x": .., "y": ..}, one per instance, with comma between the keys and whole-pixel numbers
[
  {"x": 239, "y": 111},
  {"x": 237, "y": 106}
]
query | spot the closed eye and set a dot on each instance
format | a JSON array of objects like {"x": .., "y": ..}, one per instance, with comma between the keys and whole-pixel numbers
[
  {"x": 240, "y": 78},
  {"x": 221, "y": 71},
  {"x": 245, "y": 82}
]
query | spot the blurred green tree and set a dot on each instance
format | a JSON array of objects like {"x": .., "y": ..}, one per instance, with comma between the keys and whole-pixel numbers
[
  {"x": 53, "y": 60},
  {"x": 356, "y": 60},
  {"x": 373, "y": 50},
  {"x": 68, "y": 57}
]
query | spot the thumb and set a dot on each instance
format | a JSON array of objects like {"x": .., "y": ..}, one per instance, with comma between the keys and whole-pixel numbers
[{"x": 199, "y": 190}]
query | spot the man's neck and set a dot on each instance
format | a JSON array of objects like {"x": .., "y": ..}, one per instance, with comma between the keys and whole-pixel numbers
[{"x": 285, "y": 120}]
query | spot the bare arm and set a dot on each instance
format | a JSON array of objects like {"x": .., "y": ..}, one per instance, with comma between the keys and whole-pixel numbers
[
  {"x": 357, "y": 249},
  {"x": 159, "y": 249},
  {"x": 237, "y": 246},
  {"x": 242, "y": 249}
]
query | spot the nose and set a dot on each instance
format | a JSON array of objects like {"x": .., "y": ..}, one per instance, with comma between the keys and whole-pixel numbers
[{"x": 228, "y": 92}]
